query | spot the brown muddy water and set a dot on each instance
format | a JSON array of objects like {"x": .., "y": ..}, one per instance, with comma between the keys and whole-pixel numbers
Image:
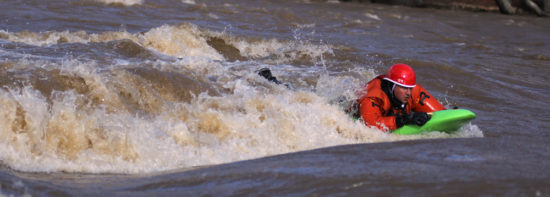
[{"x": 161, "y": 98}]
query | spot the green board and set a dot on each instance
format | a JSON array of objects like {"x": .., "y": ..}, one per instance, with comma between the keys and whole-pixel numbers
[{"x": 445, "y": 121}]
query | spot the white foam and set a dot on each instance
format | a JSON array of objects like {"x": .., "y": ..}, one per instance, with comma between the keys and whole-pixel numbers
[
  {"x": 373, "y": 16},
  {"x": 280, "y": 51},
  {"x": 67, "y": 132},
  {"x": 98, "y": 131},
  {"x": 190, "y": 2},
  {"x": 122, "y": 2},
  {"x": 178, "y": 41},
  {"x": 187, "y": 40},
  {"x": 181, "y": 41}
]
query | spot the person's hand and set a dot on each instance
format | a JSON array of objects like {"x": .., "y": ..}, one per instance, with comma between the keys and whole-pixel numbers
[{"x": 418, "y": 118}]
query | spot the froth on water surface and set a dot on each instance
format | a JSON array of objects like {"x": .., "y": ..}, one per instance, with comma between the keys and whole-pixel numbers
[
  {"x": 173, "y": 96},
  {"x": 123, "y": 97},
  {"x": 175, "y": 112}
]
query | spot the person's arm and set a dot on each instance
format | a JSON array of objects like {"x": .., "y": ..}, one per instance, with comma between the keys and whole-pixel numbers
[
  {"x": 423, "y": 101},
  {"x": 372, "y": 113}
]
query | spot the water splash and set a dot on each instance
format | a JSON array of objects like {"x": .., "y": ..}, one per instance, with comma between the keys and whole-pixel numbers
[
  {"x": 122, "y": 2},
  {"x": 193, "y": 109}
]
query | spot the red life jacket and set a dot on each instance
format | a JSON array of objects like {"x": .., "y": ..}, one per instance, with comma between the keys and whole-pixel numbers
[{"x": 376, "y": 109}]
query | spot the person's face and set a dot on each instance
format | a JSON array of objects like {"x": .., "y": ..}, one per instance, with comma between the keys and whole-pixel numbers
[{"x": 402, "y": 93}]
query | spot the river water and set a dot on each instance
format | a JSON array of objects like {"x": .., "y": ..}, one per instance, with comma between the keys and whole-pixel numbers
[{"x": 138, "y": 97}]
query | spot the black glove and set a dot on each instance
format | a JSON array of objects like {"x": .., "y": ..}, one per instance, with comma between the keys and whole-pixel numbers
[{"x": 418, "y": 118}]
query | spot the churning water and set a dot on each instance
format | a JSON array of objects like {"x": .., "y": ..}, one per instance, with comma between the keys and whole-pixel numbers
[{"x": 114, "y": 97}]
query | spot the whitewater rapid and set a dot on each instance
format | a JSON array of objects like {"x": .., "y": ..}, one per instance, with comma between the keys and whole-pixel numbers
[{"x": 176, "y": 96}]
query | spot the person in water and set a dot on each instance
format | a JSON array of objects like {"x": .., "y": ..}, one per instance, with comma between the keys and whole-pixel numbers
[
  {"x": 266, "y": 73},
  {"x": 394, "y": 100}
]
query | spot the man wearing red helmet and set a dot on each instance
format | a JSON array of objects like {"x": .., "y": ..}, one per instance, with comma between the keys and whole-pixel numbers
[{"x": 395, "y": 99}]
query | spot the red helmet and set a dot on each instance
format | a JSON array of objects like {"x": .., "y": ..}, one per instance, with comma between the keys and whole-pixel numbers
[{"x": 401, "y": 74}]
